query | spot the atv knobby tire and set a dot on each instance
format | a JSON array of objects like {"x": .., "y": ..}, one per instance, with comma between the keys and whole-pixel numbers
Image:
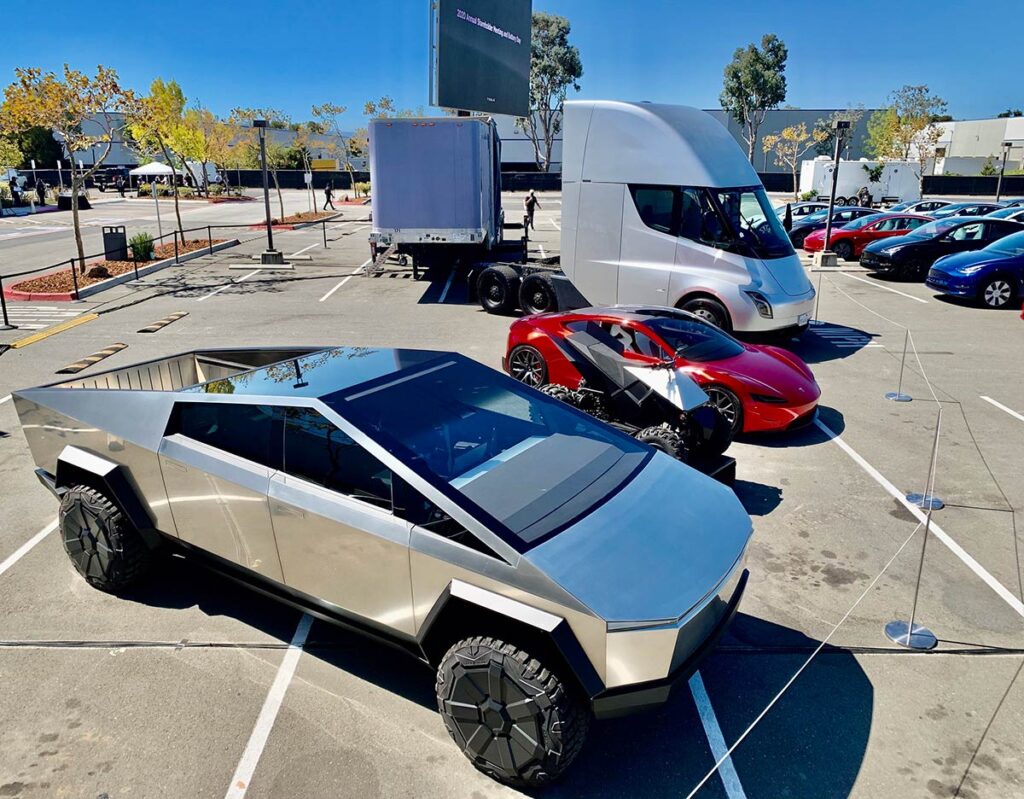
[
  {"x": 562, "y": 393},
  {"x": 509, "y": 713},
  {"x": 103, "y": 545},
  {"x": 664, "y": 438}
]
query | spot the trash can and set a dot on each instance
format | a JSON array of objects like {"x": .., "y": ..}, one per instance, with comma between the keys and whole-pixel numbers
[{"x": 115, "y": 243}]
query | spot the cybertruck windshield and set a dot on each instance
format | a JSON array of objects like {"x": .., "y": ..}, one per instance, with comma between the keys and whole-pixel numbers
[{"x": 526, "y": 464}]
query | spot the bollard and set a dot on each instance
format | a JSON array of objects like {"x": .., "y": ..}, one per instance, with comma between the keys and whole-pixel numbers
[
  {"x": 325, "y": 234},
  {"x": 74, "y": 275},
  {"x": 135, "y": 262},
  {"x": 3, "y": 308},
  {"x": 176, "y": 261}
]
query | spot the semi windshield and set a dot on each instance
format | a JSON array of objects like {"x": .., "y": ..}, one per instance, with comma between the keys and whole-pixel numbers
[
  {"x": 754, "y": 223},
  {"x": 523, "y": 463}
]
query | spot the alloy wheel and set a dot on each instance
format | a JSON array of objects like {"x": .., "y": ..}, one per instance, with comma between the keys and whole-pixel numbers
[
  {"x": 724, "y": 403},
  {"x": 527, "y": 366},
  {"x": 997, "y": 293}
]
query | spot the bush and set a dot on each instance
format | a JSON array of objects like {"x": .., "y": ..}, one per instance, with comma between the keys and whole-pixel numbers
[
  {"x": 142, "y": 246},
  {"x": 362, "y": 189},
  {"x": 807, "y": 196}
]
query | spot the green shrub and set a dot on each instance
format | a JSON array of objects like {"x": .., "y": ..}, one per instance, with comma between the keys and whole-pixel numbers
[
  {"x": 807, "y": 196},
  {"x": 362, "y": 189},
  {"x": 142, "y": 246}
]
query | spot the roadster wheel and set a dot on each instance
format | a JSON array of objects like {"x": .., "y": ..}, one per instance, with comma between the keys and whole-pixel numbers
[
  {"x": 997, "y": 293},
  {"x": 103, "y": 545},
  {"x": 728, "y": 405},
  {"x": 526, "y": 364},
  {"x": 508, "y": 712}
]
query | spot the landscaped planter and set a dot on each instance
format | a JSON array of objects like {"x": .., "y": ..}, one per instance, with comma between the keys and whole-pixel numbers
[
  {"x": 13, "y": 293},
  {"x": 296, "y": 225}
]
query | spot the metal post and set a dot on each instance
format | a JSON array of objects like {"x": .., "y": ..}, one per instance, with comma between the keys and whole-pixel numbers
[
  {"x": 1002, "y": 169},
  {"x": 898, "y": 395},
  {"x": 60, "y": 175},
  {"x": 156, "y": 202},
  {"x": 325, "y": 234},
  {"x": 176, "y": 247},
  {"x": 74, "y": 275},
  {"x": 909, "y": 634},
  {"x": 135, "y": 263},
  {"x": 209, "y": 238},
  {"x": 832, "y": 195},
  {"x": 266, "y": 187},
  {"x": 3, "y": 308},
  {"x": 817, "y": 298}
]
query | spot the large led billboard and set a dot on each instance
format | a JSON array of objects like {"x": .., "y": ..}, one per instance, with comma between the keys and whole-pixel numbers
[{"x": 480, "y": 52}]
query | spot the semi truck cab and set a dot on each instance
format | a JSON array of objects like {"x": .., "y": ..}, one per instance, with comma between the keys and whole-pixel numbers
[{"x": 660, "y": 206}]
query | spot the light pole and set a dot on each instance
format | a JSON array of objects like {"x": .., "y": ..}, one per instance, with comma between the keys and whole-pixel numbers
[
  {"x": 271, "y": 256},
  {"x": 1002, "y": 168},
  {"x": 840, "y": 126}
]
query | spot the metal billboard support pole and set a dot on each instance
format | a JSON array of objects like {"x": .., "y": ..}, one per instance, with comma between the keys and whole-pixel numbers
[{"x": 3, "y": 308}]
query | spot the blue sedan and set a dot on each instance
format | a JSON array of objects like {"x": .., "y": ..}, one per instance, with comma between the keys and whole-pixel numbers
[{"x": 993, "y": 276}]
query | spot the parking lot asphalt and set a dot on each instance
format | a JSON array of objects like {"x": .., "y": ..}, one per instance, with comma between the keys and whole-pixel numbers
[{"x": 164, "y": 692}]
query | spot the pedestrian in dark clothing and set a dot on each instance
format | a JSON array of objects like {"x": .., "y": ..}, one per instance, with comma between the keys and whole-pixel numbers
[
  {"x": 119, "y": 183},
  {"x": 531, "y": 205},
  {"x": 41, "y": 191},
  {"x": 329, "y": 196}
]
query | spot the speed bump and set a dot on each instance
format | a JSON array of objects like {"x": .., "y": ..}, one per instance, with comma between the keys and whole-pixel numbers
[
  {"x": 89, "y": 360},
  {"x": 160, "y": 325}
]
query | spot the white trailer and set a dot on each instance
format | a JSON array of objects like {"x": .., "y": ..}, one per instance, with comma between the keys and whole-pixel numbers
[{"x": 899, "y": 182}]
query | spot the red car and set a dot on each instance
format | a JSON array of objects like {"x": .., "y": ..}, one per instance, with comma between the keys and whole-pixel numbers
[
  {"x": 850, "y": 240},
  {"x": 755, "y": 387}
]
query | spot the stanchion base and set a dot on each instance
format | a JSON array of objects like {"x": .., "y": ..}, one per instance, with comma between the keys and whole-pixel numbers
[
  {"x": 896, "y": 396},
  {"x": 8, "y": 327},
  {"x": 919, "y": 638},
  {"x": 925, "y": 501},
  {"x": 271, "y": 257}
]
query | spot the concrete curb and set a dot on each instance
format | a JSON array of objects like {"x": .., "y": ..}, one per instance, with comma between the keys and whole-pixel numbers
[{"x": 95, "y": 288}]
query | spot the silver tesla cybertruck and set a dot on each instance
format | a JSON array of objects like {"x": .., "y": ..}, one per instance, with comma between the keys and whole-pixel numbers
[{"x": 551, "y": 568}]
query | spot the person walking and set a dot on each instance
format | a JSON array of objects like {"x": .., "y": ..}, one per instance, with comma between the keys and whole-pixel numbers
[
  {"x": 531, "y": 205},
  {"x": 119, "y": 183},
  {"x": 41, "y": 191},
  {"x": 329, "y": 195}
]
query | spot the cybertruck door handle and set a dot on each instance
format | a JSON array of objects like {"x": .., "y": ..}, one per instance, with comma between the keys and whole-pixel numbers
[
  {"x": 289, "y": 510},
  {"x": 181, "y": 467}
]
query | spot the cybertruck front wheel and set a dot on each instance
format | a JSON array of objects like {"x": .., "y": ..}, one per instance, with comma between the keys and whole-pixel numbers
[
  {"x": 509, "y": 713},
  {"x": 103, "y": 545}
]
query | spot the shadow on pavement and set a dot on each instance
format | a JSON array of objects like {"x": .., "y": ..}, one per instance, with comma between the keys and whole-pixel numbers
[
  {"x": 825, "y": 341},
  {"x": 758, "y": 499},
  {"x": 806, "y": 436}
]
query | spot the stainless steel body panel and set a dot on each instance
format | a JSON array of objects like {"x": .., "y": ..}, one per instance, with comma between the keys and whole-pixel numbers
[
  {"x": 344, "y": 551},
  {"x": 219, "y": 503}
]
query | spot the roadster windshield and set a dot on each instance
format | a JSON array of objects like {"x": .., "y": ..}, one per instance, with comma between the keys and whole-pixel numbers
[
  {"x": 694, "y": 339},
  {"x": 474, "y": 434}
]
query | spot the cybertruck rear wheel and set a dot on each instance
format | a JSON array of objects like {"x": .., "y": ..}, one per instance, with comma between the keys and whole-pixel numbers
[
  {"x": 103, "y": 545},
  {"x": 509, "y": 713}
]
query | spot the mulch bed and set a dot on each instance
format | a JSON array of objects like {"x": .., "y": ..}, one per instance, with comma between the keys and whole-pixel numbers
[
  {"x": 59, "y": 282},
  {"x": 299, "y": 219}
]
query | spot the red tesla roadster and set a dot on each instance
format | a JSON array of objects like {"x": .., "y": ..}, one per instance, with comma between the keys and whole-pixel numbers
[
  {"x": 849, "y": 241},
  {"x": 755, "y": 387}
]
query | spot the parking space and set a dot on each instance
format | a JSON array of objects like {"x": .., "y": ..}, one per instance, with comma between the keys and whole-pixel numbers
[{"x": 180, "y": 675}]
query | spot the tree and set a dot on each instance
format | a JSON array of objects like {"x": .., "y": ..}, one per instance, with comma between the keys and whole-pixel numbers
[
  {"x": 1010, "y": 112},
  {"x": 153, "y": 125},
  {"x": 329, "y": 116},
  {"x": 197, "y": 139},
  {"x": 38, "y": 144},
  {"x": 754, "y": 83},
  {"x": 906, "y": 129},
  {"x": 790, "y": 145},
  {"x": 279, "y": 156},
  {"x": 826, "y": 144},
  {"x": 10, "y": 153},
  {"x": 989, "y": 168},
  {"x": 555, "y": 66},
  {"x": 69, "y": 104}
]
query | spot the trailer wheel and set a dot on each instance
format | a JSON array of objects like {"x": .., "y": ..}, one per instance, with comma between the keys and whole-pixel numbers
[
  {"x": 664, "y": 438},
  {"x": 840, "y": 201},
  {"x": 496, "y": 288},
  {"x": 537, "y": 294},
  {"x": 103, "y": 545}
]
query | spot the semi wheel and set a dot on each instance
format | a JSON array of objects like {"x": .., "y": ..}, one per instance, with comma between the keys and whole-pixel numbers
[
  {"x": 728, "y": 405},
  {"x": 526, "y": 364},
  {"x": 997, "y": 292},
  {"x": 497, "y": 288},
  {"x": 709, "y": 310},
  {"x": 537, "y": 294},
  {"x": 843, "y": 250},
  {"x": 103, "y": 545},
  {"x": 664, "y": 438},
  {"x": 509, "y": 713}
]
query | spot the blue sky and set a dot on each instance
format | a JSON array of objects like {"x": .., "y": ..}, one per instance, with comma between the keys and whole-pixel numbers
[{"x": 291, "y": 55}]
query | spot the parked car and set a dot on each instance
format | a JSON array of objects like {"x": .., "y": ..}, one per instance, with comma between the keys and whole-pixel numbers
[
  {"x": 1014, "y": 213},
  {"x": 106, "y": 177},
  {"x": 993, "y": 276},
  {"x": 755, "y": 387},
  {"x": 799, "y": 210},
  {"x": 841, "y": 215},
  {"x": 549, "y": 567},
  {"x": 911, "y": 255},
  {"x": 919, "y": 207},
  {"x": 850, "y": 240},
  {"x": 965, "y": 209},
  {"x": 1014, "y": 202}
]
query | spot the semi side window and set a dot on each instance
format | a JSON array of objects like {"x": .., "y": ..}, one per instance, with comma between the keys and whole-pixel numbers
[
  {"x": 699, "y": 221},
  {"x": 656, "y": 206},
  {"x": 412, "y": 506},
  {"x": 316, "y": 450},
  {"x": 252, "y": 432}
]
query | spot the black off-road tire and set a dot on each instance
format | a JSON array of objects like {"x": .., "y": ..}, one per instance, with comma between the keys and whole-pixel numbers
[
  {"x": 537, "y": 294},
  {"x": 104, "y": 546},
  {"x": 666, "y": 439},
  {"x": 511, "y": 715},
  {"x": 843, "y": 250},
  {"x": 562, "y": 393},
  {"x": 498, "y": 289}
]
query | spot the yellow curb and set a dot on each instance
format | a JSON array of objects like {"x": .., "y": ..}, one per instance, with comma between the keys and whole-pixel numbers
[{"x": 53, "y": 330}]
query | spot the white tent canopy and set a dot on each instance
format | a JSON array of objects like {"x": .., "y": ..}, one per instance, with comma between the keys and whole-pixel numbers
[{"x": 154, "y": 168}]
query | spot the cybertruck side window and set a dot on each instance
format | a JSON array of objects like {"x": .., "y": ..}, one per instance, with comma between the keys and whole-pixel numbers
[
  {"x": 316, "y": 450},
  {"x": 657, "y": 206},
  {"x": 412, "y": 506},
  {"x": 252, "y": 432}
]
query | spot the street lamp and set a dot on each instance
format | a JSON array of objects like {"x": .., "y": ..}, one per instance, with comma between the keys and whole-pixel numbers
[
  {"x": 1002, "y": 168},
  {"x": 271, "y": 256},
  {"x": 840, "y": 126}
]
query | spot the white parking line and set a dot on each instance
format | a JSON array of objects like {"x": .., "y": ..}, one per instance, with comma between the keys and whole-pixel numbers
[
  {"x": 727, "y": 771},
  {"x": 878, "y": 285},
  {"x": 24, "y": 549},
  {"x": 2, "y": 401},
  {"x": 268, "y": 714},
  {"x": 556, "y": 225},
  {"x": 447, "y": 285},
  {"x": 228, "y": 285},
  {"x": 346, "y": 279},
  {"x": 305, "y": 249},
  {"x": 934, "y": 528},
  {"x": 999, "y": 405}
]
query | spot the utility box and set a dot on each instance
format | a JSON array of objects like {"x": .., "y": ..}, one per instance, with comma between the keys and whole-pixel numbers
[
  {"x": 115, "y": 243},
  {"x": 436, "y": 184}
]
